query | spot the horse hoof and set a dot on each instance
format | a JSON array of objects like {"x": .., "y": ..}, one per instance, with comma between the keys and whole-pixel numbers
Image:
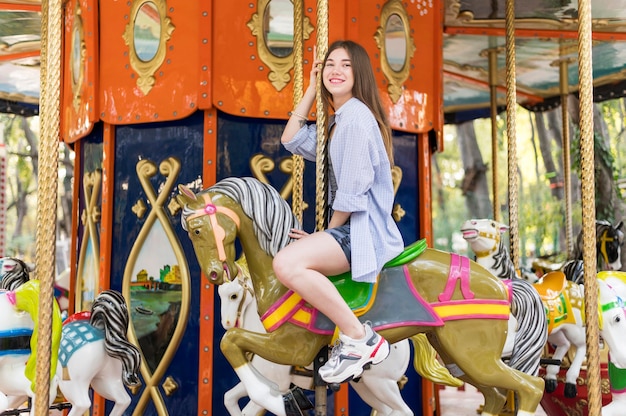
[
  {"x": 550, "y": 386},
  {"x": 334, "y": 387},
  {"x": 570, "y": 390}
]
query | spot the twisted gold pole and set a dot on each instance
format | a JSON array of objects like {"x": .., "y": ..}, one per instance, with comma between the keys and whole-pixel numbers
[
  {"x": 47, "y": 191},
  {"x": 322, "y": 122},
  {"x": 298, "y": 88},
  {"x": 493, "y": 93},
  {"x": 585, "y": 75},
  {"x": 567, "y": 182},
  {"x": 511, "y": 108}
]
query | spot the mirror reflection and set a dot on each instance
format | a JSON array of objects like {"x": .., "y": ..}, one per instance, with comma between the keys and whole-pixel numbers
[
  {"x": 147, "y": 31},
  {"x": 278, "y": 27},
  {"x": 76, "y": 54},
  {"x": 395, "y": 42}
]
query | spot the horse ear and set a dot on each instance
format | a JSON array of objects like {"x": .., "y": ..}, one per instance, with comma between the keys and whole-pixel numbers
[
  {"x": 186, "y": 196},
  {"x": 503, "y": 228}
]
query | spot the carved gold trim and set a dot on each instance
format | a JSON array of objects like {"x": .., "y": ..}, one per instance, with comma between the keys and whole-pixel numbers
[
  {"x": 170, "y": 386},
  {"x": 261, "y": 164},
  {"x": 92, "y": 181},
  {"x": 279, "y": 66},
  {"x": 395, "y": 78},
  {"x": 396, "y": 177},
  {"x": 77, "y": 79},
  {"x": 146, "y": 70},
  {"x": 146, "y": 170}
]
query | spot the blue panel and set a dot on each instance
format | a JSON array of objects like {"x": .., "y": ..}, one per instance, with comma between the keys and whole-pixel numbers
[{"x": 184, "y": 140}]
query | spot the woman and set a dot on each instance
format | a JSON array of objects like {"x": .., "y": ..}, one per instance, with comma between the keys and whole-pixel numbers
[{"x": 361, "y": 200}]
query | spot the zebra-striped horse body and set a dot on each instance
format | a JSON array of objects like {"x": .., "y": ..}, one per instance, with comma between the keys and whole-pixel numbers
[{"x": 527, "y": 311}]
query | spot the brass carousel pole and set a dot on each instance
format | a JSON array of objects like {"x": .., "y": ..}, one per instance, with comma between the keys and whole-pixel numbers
[
  {"x": 298, "y": 87},
  {"x": 47, "y": 191},
  {"x": 511, "y": 109},
  {"x": 585, "y": 75},
  {"x": 321, "y": 173},
  {"x": 567, "y": 182},
  {"x": 492, "y": 54}
]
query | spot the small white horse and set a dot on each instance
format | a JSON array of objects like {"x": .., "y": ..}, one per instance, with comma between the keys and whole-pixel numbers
[
  {"x": 91, "y": 347},
  {"x": 615, "y": 284},
  {"x": 378, "y": 387}
]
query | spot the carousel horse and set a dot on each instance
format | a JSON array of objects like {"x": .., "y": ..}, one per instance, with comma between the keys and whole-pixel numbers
[
  {"x": 564, "y": 302},
  {"x": 609, "y": 242},
  {"x": 461, "y": 307},
  {"x": 615, "y": 284},
  {"x": 378, "y": 387},
  {"x": 17, "y": 365},
  {"x": 527, "y": 324},
  {"x": 92, "y": 348},
  {"x": 13, "y": 273}
]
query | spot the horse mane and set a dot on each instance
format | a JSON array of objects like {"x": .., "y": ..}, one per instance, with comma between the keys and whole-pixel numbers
[
  {"x": 16, "y": 277},
  {"x": 271, "y": 215},
  {"x": 501, "y": 259},
  {"x": 109, "y": 313}
]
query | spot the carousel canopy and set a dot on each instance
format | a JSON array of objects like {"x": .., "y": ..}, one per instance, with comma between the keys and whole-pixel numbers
[{"x": 545, "y": 57}]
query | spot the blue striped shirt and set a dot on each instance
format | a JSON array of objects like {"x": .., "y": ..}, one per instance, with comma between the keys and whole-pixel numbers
[{"x": 364, "y": 185}]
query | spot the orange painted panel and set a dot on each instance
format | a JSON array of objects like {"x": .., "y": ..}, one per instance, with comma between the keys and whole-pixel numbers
[
  {"x": 174, "y": 94},
  {"x": 241, "y": 84},
  {"x": 416, "y": 110},
  {"x": 80, "y": 78}
]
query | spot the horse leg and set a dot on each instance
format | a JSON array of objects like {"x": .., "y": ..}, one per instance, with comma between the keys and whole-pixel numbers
[
  {"x": 479, "y": 362},
  {"x": 236, "y": 342},
  {"x": 562, "y": 345},
  {"x": 578, "y": 339},
  {"x": 231, "y": 399},
  {"x": 378, "y": 386},
  {"x": 112, "y": 388}
]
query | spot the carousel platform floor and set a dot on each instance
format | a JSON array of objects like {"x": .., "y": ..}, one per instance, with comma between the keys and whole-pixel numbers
[{"x": 466, "y": 402}]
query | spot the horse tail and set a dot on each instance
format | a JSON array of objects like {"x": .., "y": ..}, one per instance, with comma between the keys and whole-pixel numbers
[
  {"x": 532, "y": 331},
  {"x": 110, "y": 314},
  {"x": 27, "y": 299},
  {"x": 428, "y": 366}
]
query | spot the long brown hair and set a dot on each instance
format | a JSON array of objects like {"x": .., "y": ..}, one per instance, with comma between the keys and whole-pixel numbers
[{"x": 364, "y": 88}]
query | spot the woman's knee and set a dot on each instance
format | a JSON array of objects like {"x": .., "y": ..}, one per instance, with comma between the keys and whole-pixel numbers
[{"x": 283, "y": 267}]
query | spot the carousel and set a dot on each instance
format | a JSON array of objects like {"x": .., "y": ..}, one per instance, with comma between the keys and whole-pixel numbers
[{"x": 174, "y": 111}]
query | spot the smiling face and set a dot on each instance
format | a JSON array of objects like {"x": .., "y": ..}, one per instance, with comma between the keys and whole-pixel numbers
[{"x": 338, "y": 76}]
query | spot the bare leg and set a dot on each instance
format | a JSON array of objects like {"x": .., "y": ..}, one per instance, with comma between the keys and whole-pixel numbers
[{"x": 303, "y": 265}]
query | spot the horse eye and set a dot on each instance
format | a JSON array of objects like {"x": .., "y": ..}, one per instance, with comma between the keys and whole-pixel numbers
[
  {"x": 618, "y": 319},
  {"x": 233, "y": 297},
  {"x": 196, "y": 232}
]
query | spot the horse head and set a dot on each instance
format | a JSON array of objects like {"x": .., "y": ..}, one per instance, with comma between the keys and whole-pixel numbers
[
  {"x": 612, "y": 292},
  {"x": 13, "y": 273},
  {"x": 483, "y": 235},
  {"x": 610, "y": 239},
  {"x": 212, "y": 225},
  {"x": 236, "y": 297}
]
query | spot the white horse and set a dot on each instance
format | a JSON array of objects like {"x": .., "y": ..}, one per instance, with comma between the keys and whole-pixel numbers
[
  {"x": 91, "y": 347},
  {"x": 378, "y": 387},
  {"x": 615, "y": 284},
  {"x": 527, "y": 322}
]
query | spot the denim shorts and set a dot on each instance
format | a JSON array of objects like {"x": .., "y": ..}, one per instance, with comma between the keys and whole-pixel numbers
[{"x": 342, "y": 235}]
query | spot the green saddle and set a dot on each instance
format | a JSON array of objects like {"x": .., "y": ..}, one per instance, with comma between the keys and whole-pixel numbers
[{"x": 357, "y": 294}]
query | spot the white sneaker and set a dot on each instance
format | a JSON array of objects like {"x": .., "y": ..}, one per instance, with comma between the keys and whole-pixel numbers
[{"x": 350, "y": 355}]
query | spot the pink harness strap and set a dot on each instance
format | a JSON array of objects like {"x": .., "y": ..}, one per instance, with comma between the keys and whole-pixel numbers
[{"x": 459, "y": 270}]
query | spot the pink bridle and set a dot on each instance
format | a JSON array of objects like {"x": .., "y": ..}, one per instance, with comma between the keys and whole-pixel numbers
[{"x": 212, "y": 210}]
